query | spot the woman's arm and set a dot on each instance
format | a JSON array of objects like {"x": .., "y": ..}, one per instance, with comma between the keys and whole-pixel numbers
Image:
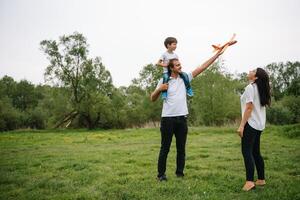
[{"x": 246, "y": 116}]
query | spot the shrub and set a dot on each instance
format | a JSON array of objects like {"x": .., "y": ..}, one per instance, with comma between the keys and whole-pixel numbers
[{"x": 277, "y": 114}]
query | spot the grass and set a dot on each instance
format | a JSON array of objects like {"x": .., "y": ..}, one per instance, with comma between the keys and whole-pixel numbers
[{"x": 121, "y": 164}]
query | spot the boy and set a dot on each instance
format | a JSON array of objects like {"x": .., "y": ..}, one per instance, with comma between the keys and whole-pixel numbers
[{"x": 171, "y": 44}]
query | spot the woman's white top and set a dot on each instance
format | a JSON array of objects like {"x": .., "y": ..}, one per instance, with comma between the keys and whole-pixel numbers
[{"x": 257, "y": 120}]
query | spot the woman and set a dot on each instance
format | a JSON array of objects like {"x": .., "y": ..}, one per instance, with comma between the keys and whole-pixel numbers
[{"x": 253, "y": 102}]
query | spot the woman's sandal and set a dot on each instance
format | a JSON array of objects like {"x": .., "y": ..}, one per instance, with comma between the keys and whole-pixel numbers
[
  {"x": 260, "y": 183},
  {"x": 248, "y": 189}
]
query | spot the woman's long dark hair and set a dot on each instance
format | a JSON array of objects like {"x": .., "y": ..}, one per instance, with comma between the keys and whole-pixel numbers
[{"x": 263, "y": 86}]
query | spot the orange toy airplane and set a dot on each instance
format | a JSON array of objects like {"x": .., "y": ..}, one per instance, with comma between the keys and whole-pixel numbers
[{"x": 231, "y": 42}]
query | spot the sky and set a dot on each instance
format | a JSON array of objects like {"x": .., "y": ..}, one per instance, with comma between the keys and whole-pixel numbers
[{"x": 128, "y": 35}]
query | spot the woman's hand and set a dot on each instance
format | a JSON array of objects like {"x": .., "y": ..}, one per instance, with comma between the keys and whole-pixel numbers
[{"x": 240, "y": 131}]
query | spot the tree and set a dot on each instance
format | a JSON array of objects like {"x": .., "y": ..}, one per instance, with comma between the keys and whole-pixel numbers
[
  {"x": 216, "y": 99},
  {"x": 25, "y": 96},
  {"x": 148, "y": 78},
  {"x": 9, "y": 116},
  {"x": 285, "y": 78},
  {"x": 147, "y": 81},
  {"x": 86, "y": 79}
]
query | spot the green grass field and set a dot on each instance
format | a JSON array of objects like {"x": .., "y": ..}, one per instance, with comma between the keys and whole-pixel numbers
[{"x": 121, "y": 164}]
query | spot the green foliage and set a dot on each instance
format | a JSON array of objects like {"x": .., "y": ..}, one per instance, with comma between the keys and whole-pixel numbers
[
  {"x": 36, "y": 119},
  {"x": 118, "y": 112},
  {"x": 25, "y": 97},
  {"x": 285, "y": 111},
  {"x": 55, "y": 104},
  {"x": 285, "y": 78},
  {"x": 277, "y": 114},
  {"x": 7, "y": 87},
  {"x": 81, "y": 94},
  {"x": 9, "y": 116},
  {"x": 148, "y": 77},
  {"x": 86, "y": 79},
  {"x": 216, "y": 100},
  {"x": 147, "y": 111},
  {"x": 135, "y": 110},
  {"x": 293, "y": 104}
]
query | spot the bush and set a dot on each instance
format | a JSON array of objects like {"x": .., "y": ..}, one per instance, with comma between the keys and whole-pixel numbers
[
  {"x": 293, "y": 104},
  {"x": 277, "y": 114},
  {"x": 9, "y": 117},
  {"x": 36, "y": 119}
]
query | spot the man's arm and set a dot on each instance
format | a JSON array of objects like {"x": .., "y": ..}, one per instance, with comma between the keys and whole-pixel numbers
[
  {"x": 206, "y": 64},
  {"x": 155, "y": 94}
]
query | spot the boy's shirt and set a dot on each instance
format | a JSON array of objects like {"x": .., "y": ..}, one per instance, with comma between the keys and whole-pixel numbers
[{"x": 165, "y": 57}]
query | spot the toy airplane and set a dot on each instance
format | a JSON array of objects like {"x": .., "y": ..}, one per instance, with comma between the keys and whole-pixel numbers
[{"x": 231, "y": 42}]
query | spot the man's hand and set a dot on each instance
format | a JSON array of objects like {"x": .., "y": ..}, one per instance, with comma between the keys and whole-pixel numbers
[
  {"x": 221, "y": 50},
  {"x": 154, "y": 95},
  {"x": 163, "y": 87}
]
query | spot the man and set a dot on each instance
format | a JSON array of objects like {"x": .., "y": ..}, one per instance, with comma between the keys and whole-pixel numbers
[{"x": 174, "y": 113}]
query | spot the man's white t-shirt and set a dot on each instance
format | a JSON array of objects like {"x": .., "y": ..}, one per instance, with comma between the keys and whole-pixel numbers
[
  {"x": 165, "y": 57},
  {"x": 176, "y": 102},
  {"x": 257, "y": 120}
]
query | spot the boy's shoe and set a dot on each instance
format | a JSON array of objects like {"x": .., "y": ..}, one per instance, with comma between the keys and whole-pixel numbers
[
  {"x": 162, "y": 178},
  {"x": 189, "y": 92},
  {"x": 164, "y": 95}
]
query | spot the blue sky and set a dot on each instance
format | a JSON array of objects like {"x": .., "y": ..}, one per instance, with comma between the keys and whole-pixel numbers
[{"x": 127, "y": 35}]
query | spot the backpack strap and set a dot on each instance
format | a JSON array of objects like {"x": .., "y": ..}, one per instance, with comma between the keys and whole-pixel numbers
[{"x": 185, "y": 78}]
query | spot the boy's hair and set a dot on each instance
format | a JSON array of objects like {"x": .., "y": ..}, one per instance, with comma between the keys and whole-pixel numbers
[{"x": 169, "y": 40}]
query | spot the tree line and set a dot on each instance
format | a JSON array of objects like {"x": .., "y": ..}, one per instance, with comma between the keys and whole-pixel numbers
[{"x": 79, "y": 93}]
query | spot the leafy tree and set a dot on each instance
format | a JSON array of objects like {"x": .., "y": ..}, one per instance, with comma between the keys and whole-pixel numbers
[
  {"x": 25, "y": 97},
  {"x": 7, "y": 87},
  {"x": 293, "y": 104},
  {"x": 9, "y": 116},
  {"x": 277, "y": 114},
  {"x": 147, "y": 81},
  {"x": 86, "y": 79},
  {"x": 119, "y": 108},
  {"x": 148, "y": 78},
  {"x": 285, "y": 78},
  {"x": 216, "y": 100}
]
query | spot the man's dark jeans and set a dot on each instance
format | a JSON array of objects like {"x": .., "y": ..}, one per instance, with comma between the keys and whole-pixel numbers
[{"x": 168, "y": 127}]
